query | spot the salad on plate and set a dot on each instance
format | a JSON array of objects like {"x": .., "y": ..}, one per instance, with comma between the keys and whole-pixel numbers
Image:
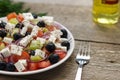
[{"x": 29, "y": 42}]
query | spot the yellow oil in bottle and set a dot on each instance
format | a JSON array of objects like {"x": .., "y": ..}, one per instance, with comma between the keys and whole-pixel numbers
[{"x": 106, "y": 11}]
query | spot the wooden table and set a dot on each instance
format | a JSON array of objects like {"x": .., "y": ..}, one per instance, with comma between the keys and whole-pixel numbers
[{"x": 105, "y": 45}]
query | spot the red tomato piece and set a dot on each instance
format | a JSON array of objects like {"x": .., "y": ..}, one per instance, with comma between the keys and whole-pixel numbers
[
  {"x": 44, "y": 64},
  {"x": 40, "y": 33},
  {"x": 32, "y": 66},
  {"x": 61, "y": 53},
  {"x": 11, "y": 15},
  {"x": 24, "y": 55},
  {"x": 20, "y": 18},
  {"x": 15, "y": 58}
]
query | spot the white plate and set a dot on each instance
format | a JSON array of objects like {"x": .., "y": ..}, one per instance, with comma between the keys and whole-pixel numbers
[{"x": 72, "y": 44}]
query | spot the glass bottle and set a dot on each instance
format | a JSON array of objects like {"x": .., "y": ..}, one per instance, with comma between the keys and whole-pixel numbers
[{"x": 106, "y": 11}]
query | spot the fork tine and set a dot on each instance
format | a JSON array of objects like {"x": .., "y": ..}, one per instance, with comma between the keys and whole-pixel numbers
[
  {"x": 83, "y": 49},
  {"x": 82, "y": 57},
  {"x": 80, "y": 49}
]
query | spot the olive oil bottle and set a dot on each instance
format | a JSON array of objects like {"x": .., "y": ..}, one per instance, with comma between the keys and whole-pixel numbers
[{"x": 106, "y": 11}]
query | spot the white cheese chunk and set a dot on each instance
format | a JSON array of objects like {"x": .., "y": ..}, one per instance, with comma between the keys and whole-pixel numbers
[
  {"x": 30, "y": 26},
  {"x": 24, "y": 42},
  {"x": 26, "y": 23},
  {"x": 19, "y": 66},
  {"x": 7, "y": 40},
  {"x": 52, "y": 38},
  {"x": 34, "y": 30},
  {"x": 20, "y": 49},
  {"x": 24, "y": 30},
  {"x": 23, "y": 61},
  {"x": 42, "y": 41},
  {"x": 63, "y": 39},
  {"x": 9, "y": 27},
  {"x": 48, "y": 19},
  {"x": 56, "y": 33},
  {"x": 58, "y": 45},
  {"x": 5, "y": 52},
  {"x": 27, "y": 16},
  {"x": 63, "y": 48},
  {"x": 13, "y": 49},
  {"x": 40, "y": 53},
  {"x": 17, "y": 50}
]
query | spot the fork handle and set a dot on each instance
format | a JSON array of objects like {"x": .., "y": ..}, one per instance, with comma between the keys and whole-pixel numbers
[{"x": 79, "y": 73}]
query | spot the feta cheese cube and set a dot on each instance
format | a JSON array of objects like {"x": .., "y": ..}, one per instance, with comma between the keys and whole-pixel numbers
[
  {"x": 63, "y": 39},
  {"x": 20, "y": 49},
  {"x": 10, "y": 27},
  {"x": 27, "y": 16},
  {"x": 24, "y": 30},
  {"x": 19, "y": 66},
  {"x": 26, "y": 23},
  {"x": 40, "y": 53},
  {"x": 42, "y": 41},
  {"x": 7, "y": 40},
  {"x": 5, "y": 52},
  {"x": 63, "y": 48},
  {"x": 48, "y": 19},
  {"x": 58, "y": 45},
  {"x": 13, "y": 49},
  {"x": 30, "y": 26},
  {"x": 24, "y": 42},
  {"x": 34, "y": 30},
  {"x": 40, "y": 18},
  {"x": 56, "y": 33},
  {"x": 23, "y": 61},
  {"x": 17, "y": 50},
  {"x": 52, "y": 39}
]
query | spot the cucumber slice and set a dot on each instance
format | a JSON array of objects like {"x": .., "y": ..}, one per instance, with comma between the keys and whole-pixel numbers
[
  {"x": 36, "y": 58},
  {"x": 13, "y": 21},
  {"x": 35, "y": 44},
  {"x": 2, "y": 46}
]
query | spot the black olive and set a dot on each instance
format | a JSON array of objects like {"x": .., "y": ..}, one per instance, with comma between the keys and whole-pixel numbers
[
  {"x": 3, "y": 33},
  {"x": 66, "y": 43},
  {"x": 41, "y": 24},
  {"x": 2, "y": 24},
  {"x": 10, "y": 67},
  {"x": 54, "y": 58},
  {"x": 50, "y": 47},
  {"x": 64, "y": 35},
  {"x": 17, "y": 36}
]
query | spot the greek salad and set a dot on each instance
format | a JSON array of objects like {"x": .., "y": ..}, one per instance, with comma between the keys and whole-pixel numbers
[{"x": 29, "y": 42}]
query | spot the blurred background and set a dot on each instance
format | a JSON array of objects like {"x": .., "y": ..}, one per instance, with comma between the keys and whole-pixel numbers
[
  {"x": 19, "y": 6},
  {"x": 65, "y": 2}
]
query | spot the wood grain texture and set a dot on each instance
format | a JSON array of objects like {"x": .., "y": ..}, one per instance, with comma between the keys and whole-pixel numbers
[{"x": 105, "y": 58}]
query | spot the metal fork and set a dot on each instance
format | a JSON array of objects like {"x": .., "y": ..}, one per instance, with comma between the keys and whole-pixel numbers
[{"x": 82, "y": 58}]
